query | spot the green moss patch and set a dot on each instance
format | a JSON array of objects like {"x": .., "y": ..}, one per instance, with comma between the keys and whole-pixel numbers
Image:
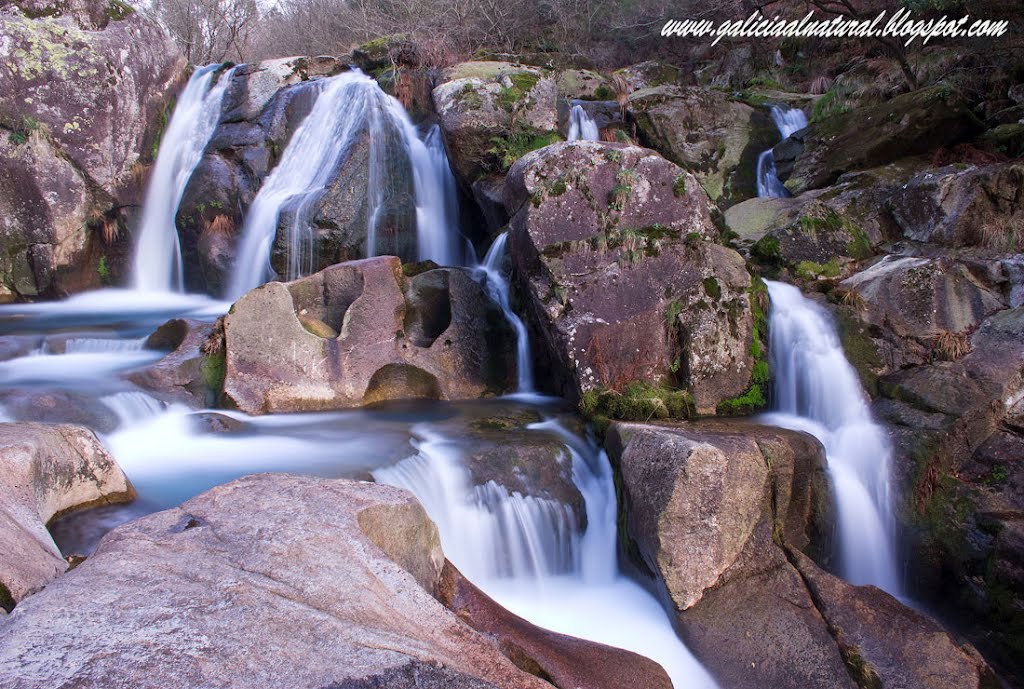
[{"x": 638, "y": 401}]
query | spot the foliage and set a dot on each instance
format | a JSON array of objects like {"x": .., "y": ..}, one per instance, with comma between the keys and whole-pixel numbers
[
  {"x": 809, "y": 270},
  {"x": 103, "y": 271},
  {"x": 638, "y": 401},
  {"x": 521, "y": 141}
]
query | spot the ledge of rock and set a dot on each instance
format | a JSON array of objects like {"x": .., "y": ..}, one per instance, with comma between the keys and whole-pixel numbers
[
  {"x": 359, "y": 333},
  {"x": 345, "y": 571},
  {"x": 46, "y": 471}
]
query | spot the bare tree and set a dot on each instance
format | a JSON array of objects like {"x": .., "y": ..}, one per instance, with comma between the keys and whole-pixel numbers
[{"x": 210, "y": 30}]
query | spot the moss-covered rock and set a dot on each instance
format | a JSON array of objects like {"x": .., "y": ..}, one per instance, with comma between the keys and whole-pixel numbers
[
  {"x": 705, "y": 132},
  {"x": 624, "y": 281}
]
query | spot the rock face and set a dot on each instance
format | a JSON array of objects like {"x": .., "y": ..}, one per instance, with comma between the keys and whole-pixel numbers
[
  {"x": 613, "y": 249},
  {"x": 182, "y": 598},
  {"x": 482, "y": 103},
  {"x": 732, "y": 135},
  {"x": 359, "y": 333},
  {"x": 867, "y": 137},
  {"x": 751, "y": 606},
  {"x": 920, "y": 303},
  {"x": 958, "y": 429},
  {"x": 80, "y": 89},
  {"x": 46, "y": 471},
  {"x": 953, "y": 207}
]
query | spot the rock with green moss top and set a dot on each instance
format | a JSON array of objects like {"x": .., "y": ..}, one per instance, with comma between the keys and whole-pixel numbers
[
  {"x": 624, "y": 279},
  {"x": 707, "y": 133},
  {"x": 961, "y": 205},
  {"x": 648, "y": 74},
  {"x": 906, "y": 125},
  {"x": 379, "y": 336},
  {"x": 583, "y": 84},
  {"x": 492, "y": 113},
  {"x": 81, "y": 85},
  {"x": 46, "y": 471}
]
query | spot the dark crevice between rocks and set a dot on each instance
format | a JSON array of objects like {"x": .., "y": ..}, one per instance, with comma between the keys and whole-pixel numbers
[
  {"x": 6, "y": 599},
  {"x": 428, "y": 312}
]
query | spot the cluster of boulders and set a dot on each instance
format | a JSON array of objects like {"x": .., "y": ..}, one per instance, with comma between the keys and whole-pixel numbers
[{"x": 636, "y": 263}]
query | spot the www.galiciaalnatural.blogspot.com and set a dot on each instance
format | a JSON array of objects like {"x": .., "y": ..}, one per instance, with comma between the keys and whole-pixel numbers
[{"x": 900, "y": 25}]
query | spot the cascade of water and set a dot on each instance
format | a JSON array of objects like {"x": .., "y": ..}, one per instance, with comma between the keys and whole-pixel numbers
[
  {"x": 437, "y": 203},
  {"x": 493, "y": 275},
  {"x": 788, "y": 121},
  {"x": 325, "y": 136},
  {"x": 133, "y": 406},
  {"x": 349, "y": 107},
  {"x": 158, "y": 254},
  {"x": 817, "y": 390},
  {"x": 529, "y": 555},
  {"x": 581, "y": 126}
]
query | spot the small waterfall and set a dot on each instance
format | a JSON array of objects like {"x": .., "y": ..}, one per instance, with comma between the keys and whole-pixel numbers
[
  {"x": 817, "y": 390},
  {"x": 788, "y": 121},
  {"x": 133, "y": 406},
  {"x": 349, "y": 107},
  {"x": 581, "y": 126},
  {"x": 493, "y": 277},
  {"x": 158, "y": 254},
  {"x": 489, "y": 532},
  {"x": 437, "y": 203},
  {"x": 529, "y": 555},
  {"x": 96, "y": 345}
]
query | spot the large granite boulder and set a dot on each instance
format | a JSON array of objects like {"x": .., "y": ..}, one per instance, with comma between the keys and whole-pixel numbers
[
  {"x": 271, "y": 581},
  {"x": 720, "y": 512},
  {"x": 614, "y": 253},
  {"x": 47, "y": 471},
  {"x": 81, "y": 86},
  {"x": 867, "y": 137},
  {"x": 711, "y": 135},
  {"x": 359, "y": 333}
]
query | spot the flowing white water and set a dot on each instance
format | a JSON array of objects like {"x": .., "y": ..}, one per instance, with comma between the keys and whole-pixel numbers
[
  {"x": 817, "y": 390},
  {"x": 527, "y": 554},
  {"x": 581, "y": 126},
  {"x": 437, "y": 203},
  {"x": 307, "y": 164},
  {"x": 348, "y": 107},
  {"x": 158, "y": 264},
  {"x": 788, "y": 121},
  {"x": 493, "y": 275}
]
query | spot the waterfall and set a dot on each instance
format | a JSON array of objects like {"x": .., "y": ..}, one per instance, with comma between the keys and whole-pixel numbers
[
  {"x": 581, "y": 126},
  {"x": 492, "y": 274},
  {"x": 158, "y": 254},
  {"x": 437, "y": 203},
  {"x": 817, "y": 390},
  {"x": 349, "y": 107},
  {"x": 788, "y": 121},
  {"x": 529, "y": 555}
]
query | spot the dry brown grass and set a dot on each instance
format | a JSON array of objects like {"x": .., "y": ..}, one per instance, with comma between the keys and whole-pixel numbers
[
  {"x": 622, "y": 90},
  {"x": 821, "y": 84},
  {"x": 214, "y": 344},
  {"x": 948, "y": 346},
  {"x": 105, "y": 223},
  {"x": 221, "y": 225}
]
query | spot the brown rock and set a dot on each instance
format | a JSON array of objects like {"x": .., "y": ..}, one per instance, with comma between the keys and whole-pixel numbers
[
  {"x": 243, "y": 585},
  {"x": 435, "y": 336},
  {"x": 613, "y": 246},
  {"x": 46, "y": 471}
]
